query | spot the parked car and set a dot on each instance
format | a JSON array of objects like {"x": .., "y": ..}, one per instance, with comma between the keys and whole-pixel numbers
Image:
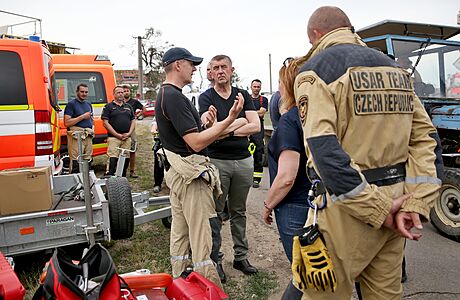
[{"x": 149, "y": 109}]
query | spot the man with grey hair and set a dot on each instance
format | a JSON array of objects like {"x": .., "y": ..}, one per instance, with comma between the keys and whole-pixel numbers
[{"x": 231, "y": 156}]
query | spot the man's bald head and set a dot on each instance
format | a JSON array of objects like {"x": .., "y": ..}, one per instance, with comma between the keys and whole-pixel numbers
[{"x": 324, "y": 20}]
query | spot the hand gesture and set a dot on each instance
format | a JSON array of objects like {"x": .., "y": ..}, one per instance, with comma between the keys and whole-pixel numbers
[
  {"x": 267, "y": 215},
  {"x": 86, "y": 115},
  {"x": 210, "y": 116},
  {"x": 237, "y": 106},
  {"x": 405, "y": 221},
  {"x": 395, "y": 206}
]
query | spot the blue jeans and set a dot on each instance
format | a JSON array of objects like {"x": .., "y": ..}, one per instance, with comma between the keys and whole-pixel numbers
[{"x": 290, "y": 218}]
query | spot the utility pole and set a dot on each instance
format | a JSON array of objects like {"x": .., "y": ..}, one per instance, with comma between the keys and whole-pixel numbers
[
  {"x": 140, "y": 68},
  {"x": 270, "y": 71}
]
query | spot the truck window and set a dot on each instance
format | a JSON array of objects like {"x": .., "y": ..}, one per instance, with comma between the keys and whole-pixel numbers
[
  {"x": 12, "y": 83},
  {"x": 67, "y": 82}
]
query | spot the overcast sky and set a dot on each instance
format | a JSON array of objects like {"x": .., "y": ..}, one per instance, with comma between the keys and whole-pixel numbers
[{"x": 246, "y": 30}]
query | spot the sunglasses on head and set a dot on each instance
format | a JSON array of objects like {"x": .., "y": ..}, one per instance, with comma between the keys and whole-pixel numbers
[{"x": 287, "y": 61}]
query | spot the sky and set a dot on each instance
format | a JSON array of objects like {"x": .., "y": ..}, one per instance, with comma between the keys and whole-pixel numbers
[{"x": 247, "y": 31}]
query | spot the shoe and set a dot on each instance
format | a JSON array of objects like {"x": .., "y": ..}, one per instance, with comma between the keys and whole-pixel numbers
[
  {"x": 404, "y": 277},
  {"x": 245, "y": 267},
  {"x": 220, "y": 255},
  {"x": 255, "y": 184},
  {"x": 220, "y": 271},
  {"x": 156, "y": 189},
  {"x": 133, "y": 174}
]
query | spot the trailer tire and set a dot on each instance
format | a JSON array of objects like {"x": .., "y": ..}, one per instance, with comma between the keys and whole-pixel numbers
[
  {"x": 445, "y": 215},
  {"x": 167, "y": 222},
  {"x": 120, "y": 208}
]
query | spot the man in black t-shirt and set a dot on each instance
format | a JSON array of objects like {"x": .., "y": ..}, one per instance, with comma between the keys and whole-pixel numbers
[
  {"x": 231, "y": 156},
  {"x": 138, "y": 110},
  {"x": 118, "y": 118},
  {"x": 261, "y": 106},
  {"x": 192, "y": 179}
]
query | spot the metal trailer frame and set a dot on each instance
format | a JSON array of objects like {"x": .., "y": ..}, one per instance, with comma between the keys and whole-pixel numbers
[{"x": 67, "y": 224}]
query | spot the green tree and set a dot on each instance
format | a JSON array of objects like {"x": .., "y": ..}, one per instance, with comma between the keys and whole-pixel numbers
[
  {"x": 236, "y": 80},
  {"x": 153, "y": 48}
]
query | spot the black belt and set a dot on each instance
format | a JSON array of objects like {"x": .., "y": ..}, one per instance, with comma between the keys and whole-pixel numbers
[{"x": 386, "y": 175}]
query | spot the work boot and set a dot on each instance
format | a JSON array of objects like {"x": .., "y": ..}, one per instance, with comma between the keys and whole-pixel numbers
[
  {"x": 245, "y": 267},
  {"x": 255, "y": 185},
  {"x": 220, "y": 271},
  {"x": 292, "y": 293},
  {"x": 112, "y": 166},
  {"x": 125, "y": 167}
]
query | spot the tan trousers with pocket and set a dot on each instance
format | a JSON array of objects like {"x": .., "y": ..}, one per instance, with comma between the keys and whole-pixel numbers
[
  {"x": 192, "y": 205},
  {"x": 361, "y": 253}
]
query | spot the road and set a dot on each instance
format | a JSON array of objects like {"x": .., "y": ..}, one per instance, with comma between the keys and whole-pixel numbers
[{"x": 433, "y": 263}]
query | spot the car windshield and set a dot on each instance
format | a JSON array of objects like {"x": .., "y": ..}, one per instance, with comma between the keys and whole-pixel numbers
[{"x": 437, "y": 67}]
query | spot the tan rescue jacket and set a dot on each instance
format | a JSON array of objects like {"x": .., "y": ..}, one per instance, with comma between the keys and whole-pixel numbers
[
  {"x": 195, "y": 166},
  {"x": 359, "y": 112}
]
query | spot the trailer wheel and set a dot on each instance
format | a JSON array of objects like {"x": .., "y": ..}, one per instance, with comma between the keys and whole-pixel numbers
[
  {"x": 445, "y": 215},
  {"x": 120, "y": 208},
  {"x": 167, "y": 222}
]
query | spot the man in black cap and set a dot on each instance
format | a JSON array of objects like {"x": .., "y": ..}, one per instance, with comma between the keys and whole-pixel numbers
[{"x": 192, "y": 179}]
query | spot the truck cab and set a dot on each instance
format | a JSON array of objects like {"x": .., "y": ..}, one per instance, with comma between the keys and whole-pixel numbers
[
  {"x": 431, "y": 54},
  {"x": 96, "y": 71}
]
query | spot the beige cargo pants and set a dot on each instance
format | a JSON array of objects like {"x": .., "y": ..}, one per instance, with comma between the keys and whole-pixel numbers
[
  {"x": 359, "y": 252},
  {"x": 72, "y": 144},
  {"x": 192, "y": 205}
]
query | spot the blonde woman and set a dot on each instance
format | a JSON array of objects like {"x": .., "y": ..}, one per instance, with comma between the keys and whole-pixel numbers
[{"x": 287, "y": 165}]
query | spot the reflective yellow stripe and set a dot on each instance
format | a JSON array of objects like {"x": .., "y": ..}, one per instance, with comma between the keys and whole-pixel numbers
[
  {"x": 252, "y": 148},
  {"x": 99, "y": 146},
  {"x": 258, "y": 174},
  {"x": 55, "y": 126},
  {"x": 93, "y": 105},
  {"x": 16, "y": 107}
]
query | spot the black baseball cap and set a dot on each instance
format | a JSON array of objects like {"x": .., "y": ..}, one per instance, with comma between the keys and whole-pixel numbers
[{"x": 178, "y": 53}]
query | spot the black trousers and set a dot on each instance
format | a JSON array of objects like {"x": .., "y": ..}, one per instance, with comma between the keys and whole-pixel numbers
[
  {"x": 158, "y": 164},
  {"x": 258, "y": 140}
]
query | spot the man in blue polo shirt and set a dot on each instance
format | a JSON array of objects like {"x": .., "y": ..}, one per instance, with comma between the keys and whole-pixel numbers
[{"x": 78, "y": 116}]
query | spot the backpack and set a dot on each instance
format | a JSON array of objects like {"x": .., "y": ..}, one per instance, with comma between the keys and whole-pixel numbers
[{"x": 65, "y": 280}]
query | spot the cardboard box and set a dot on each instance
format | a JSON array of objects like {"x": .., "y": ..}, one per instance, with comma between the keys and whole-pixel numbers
[{"x": 25, "y": 190}]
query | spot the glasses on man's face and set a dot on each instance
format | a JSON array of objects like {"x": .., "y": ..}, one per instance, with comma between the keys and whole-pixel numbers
[{"x": 287, "y": 61}]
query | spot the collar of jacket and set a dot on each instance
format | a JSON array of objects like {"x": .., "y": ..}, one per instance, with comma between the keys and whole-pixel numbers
[{"x": 337, "y": 36}]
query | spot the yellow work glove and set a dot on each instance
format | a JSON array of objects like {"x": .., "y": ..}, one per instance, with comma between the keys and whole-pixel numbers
[
  {"x": 298, "y": 269},
  {"x": 316, "y": 259}
]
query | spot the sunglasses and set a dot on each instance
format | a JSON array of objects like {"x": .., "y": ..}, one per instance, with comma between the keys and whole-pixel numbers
[{"x": 287, "y": 61}]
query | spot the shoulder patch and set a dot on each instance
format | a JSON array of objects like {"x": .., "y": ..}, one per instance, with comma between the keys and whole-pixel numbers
[
  {"x": 303, "y": 106},
  {"x": 306, "y": 78}
]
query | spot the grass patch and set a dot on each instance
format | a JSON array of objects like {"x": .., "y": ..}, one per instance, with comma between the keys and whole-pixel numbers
[
  {"x": 256, "y": 287},
  {"x": 148, "y": 248}
]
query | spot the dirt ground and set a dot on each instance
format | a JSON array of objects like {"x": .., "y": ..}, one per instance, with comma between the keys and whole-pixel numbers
[{"x": 265, "y": 249}]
